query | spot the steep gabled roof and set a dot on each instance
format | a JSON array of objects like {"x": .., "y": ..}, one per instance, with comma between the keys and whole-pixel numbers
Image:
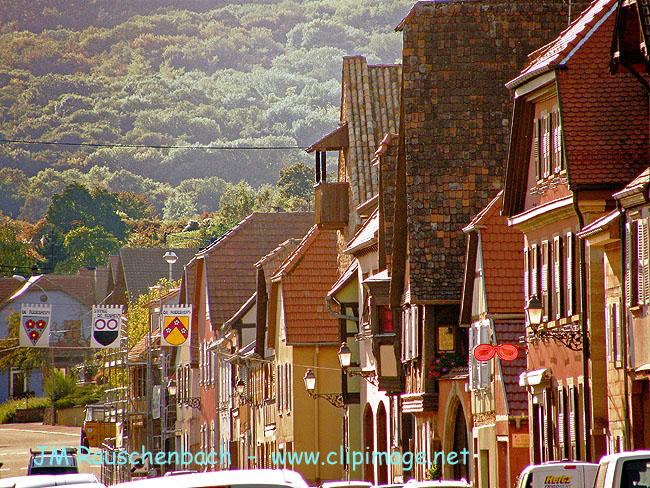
[
  {"x": 503, "y": 268},
  {"x": 559, "y": 51},
  {"x": 306, "y": 277},
  {"x": 509, "y": 332},
  {"x": 79, "y": 287},
  {"x": 366, "y": 236},
  {"x": 370, "y": 105},
  {"x": 144, "y": 267},
  {"x": 604, "y": 118},
  {"x": 230, "y": 261},
  {"x": 8, "y": 286}
]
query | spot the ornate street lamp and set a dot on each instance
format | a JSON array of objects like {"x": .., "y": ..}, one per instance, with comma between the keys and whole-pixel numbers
[{"x": 336, "y": 399}]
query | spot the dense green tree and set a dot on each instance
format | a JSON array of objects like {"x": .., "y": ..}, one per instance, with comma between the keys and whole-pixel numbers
[
  {"x": 13, "y": 184},
  {"x": 158, "y": 73},
  {"x": 237, "y": 202},
  {"x": 16, "y": 250},
  {"x": 87, "y": 247},
  {"x": 76, "y": 206},
  {"x": 296, "y": 181},
  {"x": 24, "y": 358}
]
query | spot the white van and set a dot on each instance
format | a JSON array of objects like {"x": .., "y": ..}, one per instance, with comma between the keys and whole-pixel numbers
[
  {"x": 558, "y": 474},
  {"x": 236, "y": 478}
]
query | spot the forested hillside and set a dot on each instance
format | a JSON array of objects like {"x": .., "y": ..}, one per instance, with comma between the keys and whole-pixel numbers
[{"x": 172, "y": 73}]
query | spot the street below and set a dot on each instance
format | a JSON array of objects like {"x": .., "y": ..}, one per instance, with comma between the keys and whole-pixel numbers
[{"x": 17, "y": 439}]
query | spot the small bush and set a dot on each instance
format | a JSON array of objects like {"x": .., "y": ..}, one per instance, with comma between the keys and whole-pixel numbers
[{"x": 9, "y": 408}]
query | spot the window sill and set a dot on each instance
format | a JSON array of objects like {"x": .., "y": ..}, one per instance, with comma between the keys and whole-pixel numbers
[{"x": 636, "y": 311}]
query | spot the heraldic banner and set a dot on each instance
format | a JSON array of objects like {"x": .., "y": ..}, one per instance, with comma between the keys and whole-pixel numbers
[
  {"x": 35, "y": 325},
  {"x": 107, "y": 326},
  {"x": 176, "y": 325}
]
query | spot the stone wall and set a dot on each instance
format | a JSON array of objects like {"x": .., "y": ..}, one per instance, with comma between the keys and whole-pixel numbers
[{"x": 457, "y": 57}]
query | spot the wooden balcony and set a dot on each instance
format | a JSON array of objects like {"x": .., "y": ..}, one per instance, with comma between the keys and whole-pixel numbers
[{"x": 332, "y": 205}]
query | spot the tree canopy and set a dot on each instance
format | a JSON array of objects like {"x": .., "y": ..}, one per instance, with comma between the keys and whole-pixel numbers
[{"x": 188, "y": 74}]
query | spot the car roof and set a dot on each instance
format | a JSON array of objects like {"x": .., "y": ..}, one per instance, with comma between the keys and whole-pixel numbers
[
  {"x": 556, "y": 464},
  {"x": 437, "y": 484},
  {"x": 246, "y": 477},
  {"x": 334, "y": 484},
  {"x": 44, "y": 480},
  {"x": 626, "y": 455}
]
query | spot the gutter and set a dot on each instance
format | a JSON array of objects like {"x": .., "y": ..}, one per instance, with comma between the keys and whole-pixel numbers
[
  {"x": 328, "y": 304},
  {"x": 585, "y": 333},
  {"x": 625, "y": 325}
]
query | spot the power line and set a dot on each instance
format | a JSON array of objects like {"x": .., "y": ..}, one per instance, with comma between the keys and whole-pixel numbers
[{"x": 151, "y": 146}]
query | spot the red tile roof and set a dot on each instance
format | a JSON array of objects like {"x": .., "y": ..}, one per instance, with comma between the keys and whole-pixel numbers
[
  {"x": 230, "y": 261},
  {"x": 639, "y": 184},
  {"x": 559, "y": 51},
  {"x": 509, "y": 332},
  {"x": 503, "y": 267},
  {"x": 366, "y": 235},
  {"x": 306, "y": 277},
  {"x": 347, "y": 276},
  {"x": 8, "y": 286},
  {"x": 604, "y": 117}
]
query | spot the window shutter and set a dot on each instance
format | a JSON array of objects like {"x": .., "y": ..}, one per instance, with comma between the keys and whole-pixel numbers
[
  {"x": 289, "y": 386},
  {"x": 616, "y": 323},
  {"x": 534, "y": 279},
  {"x": 573, "y": 419},
  {"x": 187, "y": 382},
  {"x": 561, "y": 432},
  {"x": 557, "y": 142},
  {"x": 643, "y": 254},
  {"x": 631, "y": 289},
  {"x": 415, "y": 329},
  {"x": 546, "y": 145},
  {"x": 526, "y": 274},
  {"x": 472, "y": 361},
  {"x": 278, "y": 398},
  {"x": 536, "y": 158},
  {"x": 484, "y": 366},
  {"x": 547, "y": 425},
  {"x": 609, "y": 332},
  {"x": 558, "y": 277},
  {"x": 570, "y": 289},
  {"x": 545, "y": 281}
]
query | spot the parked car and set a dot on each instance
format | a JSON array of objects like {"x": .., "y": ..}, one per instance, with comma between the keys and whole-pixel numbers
[
  {"x": 79, "y": 480},
  {"x": 58, "y": 461},
  {"x": 240, "y": 478},
  {"x": 346, "y": 484},
  {"x": 624, "y": 470},
  {"x": 438, "y": 484},
  {"x": 568, "y": 474}
]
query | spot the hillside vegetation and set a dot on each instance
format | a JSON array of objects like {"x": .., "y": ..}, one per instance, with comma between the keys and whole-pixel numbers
[{"x": 172, "y": 73}]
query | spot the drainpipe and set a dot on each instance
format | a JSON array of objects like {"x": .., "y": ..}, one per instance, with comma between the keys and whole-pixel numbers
[
  {"x": 585, "y": 333},
  {"x": 328, "y": 303},
  {"x": 624, "y": 325}
]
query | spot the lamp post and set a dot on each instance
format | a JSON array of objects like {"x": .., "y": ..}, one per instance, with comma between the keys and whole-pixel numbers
[
  {"x": 171, "y": 258},
  {"x": 335, "y": 399},
  {"x": 533, "y": 312},
  {"x": 345, "y": 359}
]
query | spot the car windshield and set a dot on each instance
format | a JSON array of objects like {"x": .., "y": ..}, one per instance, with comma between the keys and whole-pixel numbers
[
  {"x": 635, "y": 473},
  {"x": 47, "y": 463}
]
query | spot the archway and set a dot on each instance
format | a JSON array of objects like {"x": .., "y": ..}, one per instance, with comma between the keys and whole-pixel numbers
[
  {"x": 382, "y": 444},
  {"x": 368, "y": 443},
  {"x": 461, "y": 469}
]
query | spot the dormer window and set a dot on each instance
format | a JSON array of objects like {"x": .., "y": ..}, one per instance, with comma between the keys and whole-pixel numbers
[{"x": 548, "y": 156}]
